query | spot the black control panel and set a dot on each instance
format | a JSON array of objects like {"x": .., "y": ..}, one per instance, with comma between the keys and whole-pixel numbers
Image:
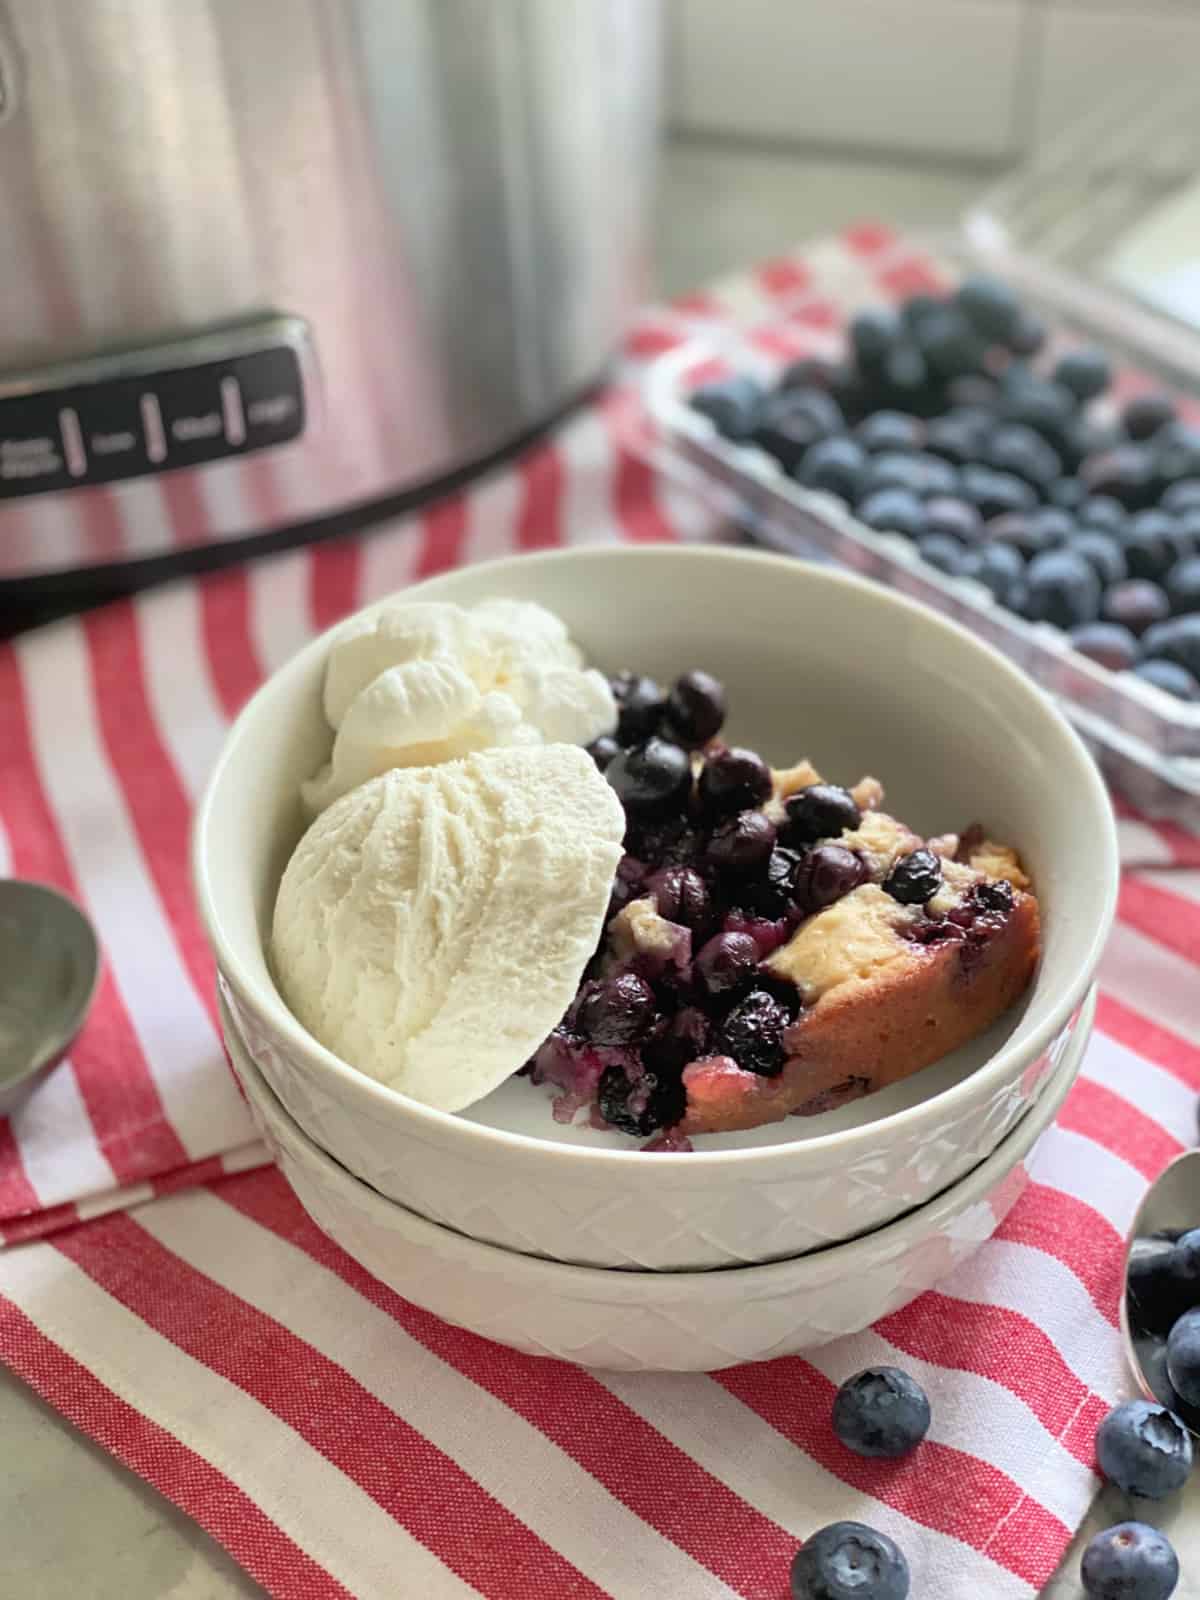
[{"x": 105, "y": 429}]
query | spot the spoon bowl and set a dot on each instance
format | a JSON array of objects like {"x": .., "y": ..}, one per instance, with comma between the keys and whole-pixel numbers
[
  {"x": 49, "y": 967},
  {"x": 1172, "y": 1203}
]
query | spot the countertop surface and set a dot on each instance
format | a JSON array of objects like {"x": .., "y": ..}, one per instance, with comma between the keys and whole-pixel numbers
[{"x": 74, "y": 1522}]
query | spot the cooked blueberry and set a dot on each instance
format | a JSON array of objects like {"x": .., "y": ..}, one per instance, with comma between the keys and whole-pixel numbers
[
  {"x": 959, "y": 519},
  {"x": 753, "y": 1032},
  {"x": 1182, "y": 496},
  {"x": 810, "y": 372},
  {"x": 640, "y": 705},
  {"x": 1029, "y": 335},
  {"x": 1144, "y": 1449},
  {"x": 774, "y": 894},
  {"x": 617, "y": 1011},
  {"x": 603, "y": 749},
  {"x": 1021, "y": 531},
  {"x": 742, "y": 843},
  {"x": 873, "y": 332},
  {"x": 1176, "y": 640},
  {"x": 793, "y": 419},
  {"x": 1067, "y": 493},
  {"x": 1183, "y": 1357},
  {"x": 1145, "y": 414},
  {"x": 881, "y": 1411},
  {"x": 1126, "y": 474},
  {"x": 959, "y": 436},
  {"x": 640, "y": 1105},
  {"x": 734, "y": 780},
  {"x": 681, "y": 895},
  {"x": 820, "y": 811},
  {"x": 826, "y": 874},
  {"x": 942, "y": 551},
  {"x": 893, "y": 511},
  {"x": 1000, "y": 568},
  {"x": 1063, "y": 589},
  {"x": 696, "y": 708},
  {"x": 1129, "y": 1562},
  {"x": 990, "y": 306},
  {"x": 1086, "y": 373},
  {"x": 1018, "y": 448},
  {"x": 686, "y": 1038},
  {"x": 1174, "y": 680},
  {"x": 890, "y": 430},
  {"x": 732, "y": 405},
  {"x": 948, "y": 342},
  {"x": 726, "y": 961},
  {"x": 1107, "y": 643},
  {"x": 1136, "y": 603},
  {"x": 652, "y": 778},
  {"x": 1183, "y": 585},
  {"x": 1105, "y": 553},
  {"x": 996, "y": 492},
  {"x": 1154, "y": 542},
  {"x": 1102, "y": 511},
  {"x": 849, "y": 1561},
  {"x": 915, "y": 878},
  {"x": 837, "y": 465}
]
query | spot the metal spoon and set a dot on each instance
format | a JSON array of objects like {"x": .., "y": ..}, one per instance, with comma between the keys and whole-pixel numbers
[
  {"x": 49, "y": 966},
  {"x": 1171, "y": 1202}
]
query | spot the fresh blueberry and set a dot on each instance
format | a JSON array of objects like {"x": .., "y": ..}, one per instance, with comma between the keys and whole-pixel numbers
[
  {"x": 958, "y": 519},
  {"x": 810, "y": 372},
  {"x": 904, "y": 376},
  {"x": 1144, "y": 1449},
  {"x": 1107, "y": 643},
  {"x": 917, "y": 307},
  {"x": 1103, "y": 512},
  {"x": 826, "y": 874},
  {"x": 820, "y": 811},
  {"x": 1051, "y": 525},
  {"x": 732, "y": 405},
  {"x": 1145, "y": 414},
  {"x": 959, "y": 436},
  {"x": 990, "y": 306},
  {"x": 948, "y": 342},
  {"x": 1022, "y": 531},
  {"x": 849, "y": 1561},
  {"x": 1185, "y": 1268},
  {"x": 836, "y": 465},
  {"x": 1176, "y": 640},
  {"x": 1183, "y": 1357},
  {"x": 617, "y": 1011},
  {"x": 1063, "y": 589},
  {"x": 915, "y": 878},
  {"x": 603, "y": 749},
  {"x": 1105, "y": 553},
  {"x": 1137, "y": 603},
  {"x": 1172, "y": 679},
  {"x": 1151, "y": 1355},
  {"x": 1029, "y": 335},
  {"x": 640, "y": 705},
  {"x": 942, "y": 551},
  {"x": 743, "y": 843},
  {"x": 1126, "y": 474},
  {"x": 726, "y": 961},
  {"x": 893, "y": 511},
  {"x": 1154, "y": 542},
  {"x": 1129, "y": 1562},
  {"x": 1039, "y": 403},
  {"x": 681, "y": 895},
  {"x": 753, "y": 1033},
  {"x": 976, "y": 391},
  {"x": 654, "y": 778},
  {"x": 640, "y": 1105},
  {"x": 890, "y": 430},
  {"x": 1154, "y": 1298},
  {"x": 1086, "y": 373},
  {"x": 996, "y": 492},
  {"x": 1018, "y": 448},
  {"x": 696, "y": 708},
  {"x": 999, "y": 567},
  {"x": 734, "y": 780},
  {"x": 1183, "y": 585},
  {"x": 793, "y": 419},
  {"x": 1182, "y": 496},
  {"x": 1068, "y": 493},
  {"x": 873, "y": 333},
  {"x": 881, "y": 1411}
]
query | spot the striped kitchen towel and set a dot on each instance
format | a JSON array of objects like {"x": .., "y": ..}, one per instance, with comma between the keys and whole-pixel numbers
[{"x": 338, "y": 1440}]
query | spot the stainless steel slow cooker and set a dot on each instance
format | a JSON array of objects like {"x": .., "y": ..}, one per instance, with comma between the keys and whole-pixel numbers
[{"x": 273, "y": 259}]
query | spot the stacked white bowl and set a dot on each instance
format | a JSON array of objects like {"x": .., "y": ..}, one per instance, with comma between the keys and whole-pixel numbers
[{"x": 566, "y": 1240}]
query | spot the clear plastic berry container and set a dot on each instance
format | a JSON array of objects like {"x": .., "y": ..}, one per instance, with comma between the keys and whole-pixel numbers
[{"x": 1147, "y": 741}]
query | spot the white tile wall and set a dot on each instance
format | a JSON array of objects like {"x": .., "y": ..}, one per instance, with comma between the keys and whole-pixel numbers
[{"x": 1087, "y": 54}]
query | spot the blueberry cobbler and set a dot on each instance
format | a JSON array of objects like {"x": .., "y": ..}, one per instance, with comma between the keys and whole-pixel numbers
[{"x": 775, "y": 944}]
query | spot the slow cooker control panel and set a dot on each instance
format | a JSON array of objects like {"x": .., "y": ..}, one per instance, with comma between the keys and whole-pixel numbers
[{"x": 216, "y": 395}]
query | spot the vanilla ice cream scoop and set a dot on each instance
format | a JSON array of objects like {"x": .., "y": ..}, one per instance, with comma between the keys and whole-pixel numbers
[
  {"x": 432, "y": 925},
  {"x": 423, "y": 682}
]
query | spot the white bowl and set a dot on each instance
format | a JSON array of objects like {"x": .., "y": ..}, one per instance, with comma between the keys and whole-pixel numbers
[
  {"x": 657, "y": 1321},
  {"x": 817, "y": 663}
]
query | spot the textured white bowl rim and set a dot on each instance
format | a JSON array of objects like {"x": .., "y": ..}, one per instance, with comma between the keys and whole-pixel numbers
[
  {"x": 631, "y": 1283},
  {"x": 1077, "y": 768}
]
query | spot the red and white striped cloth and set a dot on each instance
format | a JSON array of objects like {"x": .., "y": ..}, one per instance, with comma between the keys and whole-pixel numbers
[{"x": 339, "y": 1441}]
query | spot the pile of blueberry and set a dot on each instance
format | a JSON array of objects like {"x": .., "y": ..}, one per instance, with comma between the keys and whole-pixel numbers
[
  {"x": 1163, "y": 1303},
  {"x": 939, "y": 426},
  {"x": 1142, "y": 1448}
]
